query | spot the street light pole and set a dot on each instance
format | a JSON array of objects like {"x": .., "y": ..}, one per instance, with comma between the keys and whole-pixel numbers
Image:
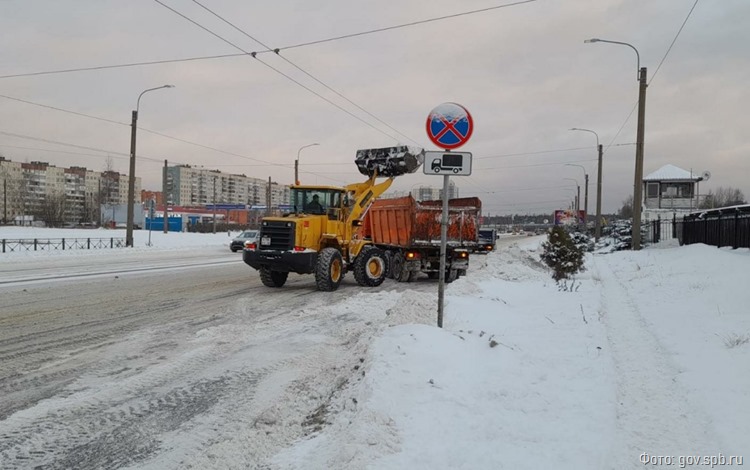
[
  {"x": 598, "y": 222},
  {"x": 578, "y": 193},
  {"x": 131, "y": 177},
  {"x": 296, "y": 162},
  {"x": 586, "y": 196},
  {"x": 638, "y": 178}
]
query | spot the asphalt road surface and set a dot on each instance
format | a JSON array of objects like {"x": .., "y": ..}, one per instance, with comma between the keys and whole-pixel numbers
[{"x": 167, "y": 360}]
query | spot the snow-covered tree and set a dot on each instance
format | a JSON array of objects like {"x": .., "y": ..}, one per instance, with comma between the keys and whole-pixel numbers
[{"x": 561, "y": 254}]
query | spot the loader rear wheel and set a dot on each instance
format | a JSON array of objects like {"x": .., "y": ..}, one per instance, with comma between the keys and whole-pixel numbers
[
  {"x": 272, "y": 278},
  {"x": 370, "y": 267},
  {"x": 330, "y": 270},
  {"x": 451, "y": 275}
]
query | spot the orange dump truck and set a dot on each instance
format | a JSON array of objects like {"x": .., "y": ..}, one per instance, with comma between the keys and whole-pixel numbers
[{"x": 409, "y": 233}]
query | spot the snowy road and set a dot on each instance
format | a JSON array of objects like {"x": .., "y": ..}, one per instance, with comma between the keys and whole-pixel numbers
[{"x": 168, "y": 360}]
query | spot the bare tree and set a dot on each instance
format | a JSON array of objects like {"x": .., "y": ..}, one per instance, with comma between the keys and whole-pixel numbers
[
  {"x": 723, "y": 197},
  {"x": 51, "y": 209},
  {"x": 626, "y": 211}
]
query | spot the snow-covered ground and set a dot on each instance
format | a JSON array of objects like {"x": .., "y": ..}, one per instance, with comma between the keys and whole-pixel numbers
[{"x": 646, "y": 362}]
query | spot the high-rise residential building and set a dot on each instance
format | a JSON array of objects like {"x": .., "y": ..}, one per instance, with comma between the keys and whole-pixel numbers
[
  {"x": 197, "y": 186},
  {"x": 59, "y": 195},
  {"x": 429, "y": 193}
]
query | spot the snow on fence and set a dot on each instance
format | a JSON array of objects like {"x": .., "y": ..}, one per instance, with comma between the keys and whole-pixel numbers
[{"x": 49, "y": 244}]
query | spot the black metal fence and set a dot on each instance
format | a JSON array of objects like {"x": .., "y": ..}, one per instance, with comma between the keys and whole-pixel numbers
[
  {"x": 728, "y": 226},
  {"x": 50, "y": 244},
  {"x": 661, "y": 229}
]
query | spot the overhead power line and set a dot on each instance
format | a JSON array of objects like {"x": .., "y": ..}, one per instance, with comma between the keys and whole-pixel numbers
[
  {"x": 223, "y": 56},
  {"x": 262, "y": 162},
  {"x": 84, "y": 147},
  {"x": 111, "y": 121},
  {"x": 293, "y": 80},
  {"x": 632, "y": 110},
  {"x": 307, "y": 73},
  {"x": 405, "y": 25},
  {"x": 536, "y": 164},
  {"x": 669, "y": 49}
]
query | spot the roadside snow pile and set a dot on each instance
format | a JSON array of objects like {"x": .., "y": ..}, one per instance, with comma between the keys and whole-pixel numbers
[
  {"x": 160, "y": 241},
  {"x": 514, "y": 369}
]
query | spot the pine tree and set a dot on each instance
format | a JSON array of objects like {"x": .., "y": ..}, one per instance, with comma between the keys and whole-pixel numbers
[{"x": 562, "y": 255}]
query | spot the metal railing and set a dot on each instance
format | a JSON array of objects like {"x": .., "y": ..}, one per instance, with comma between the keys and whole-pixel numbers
[
  {"x": 661, "y": 229},
  {"x": 728, "y": 226},
  {"x": 50, "y": 244}
]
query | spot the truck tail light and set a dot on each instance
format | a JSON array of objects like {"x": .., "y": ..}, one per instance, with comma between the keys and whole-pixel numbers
[
  {"x": 250, "y": 246},
  {"x": 299, "y": 248},
  {"x": 462, "y": 254},
  {"x": 411, "y": 255}
]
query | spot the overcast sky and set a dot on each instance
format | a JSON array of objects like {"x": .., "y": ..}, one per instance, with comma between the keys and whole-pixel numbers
[{"x": 523, "y": 72}]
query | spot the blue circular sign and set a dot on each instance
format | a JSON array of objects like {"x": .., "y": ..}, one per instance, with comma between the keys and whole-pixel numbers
[{"x": 449, "y": 125}]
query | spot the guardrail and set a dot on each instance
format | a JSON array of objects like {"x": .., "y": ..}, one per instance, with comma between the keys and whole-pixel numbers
[{"x": 50, "y": 244}]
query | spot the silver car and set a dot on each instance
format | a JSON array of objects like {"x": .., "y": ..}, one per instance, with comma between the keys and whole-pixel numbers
[{"x": 238, "y": 243}]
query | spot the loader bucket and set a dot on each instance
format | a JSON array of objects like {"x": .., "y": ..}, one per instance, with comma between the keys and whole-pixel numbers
[{"x": 389, "y": 161}]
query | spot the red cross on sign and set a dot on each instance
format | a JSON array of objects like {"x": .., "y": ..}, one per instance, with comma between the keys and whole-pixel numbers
[{"x": 449, "y": 126}]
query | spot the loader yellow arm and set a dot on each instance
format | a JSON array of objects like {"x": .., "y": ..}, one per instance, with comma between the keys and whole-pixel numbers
[{"x": 364, "y": 195}]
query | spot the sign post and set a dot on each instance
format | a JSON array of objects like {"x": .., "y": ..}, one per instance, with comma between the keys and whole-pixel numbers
[{"x": 448, "y": 126}]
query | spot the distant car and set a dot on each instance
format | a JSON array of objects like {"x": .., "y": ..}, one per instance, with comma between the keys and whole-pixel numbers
[
  {"x": 238, "y": 243},
  {"x": 487, "y": 239}
]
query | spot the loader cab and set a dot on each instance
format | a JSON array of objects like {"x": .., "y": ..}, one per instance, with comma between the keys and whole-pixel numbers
[{"x": 318, "y": 200}]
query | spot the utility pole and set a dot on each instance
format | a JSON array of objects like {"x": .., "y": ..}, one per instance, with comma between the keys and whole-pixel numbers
[
  {"x": 131, "y": 183},
  {"x": 598, "y": 226},
  {"x": 586, "y": 201},
  {"x": 268, "y": 198},
  {"x": 638, "y": 188},
  {"x": 214, "y": 204},
  {"x": 164, "y": 198}
]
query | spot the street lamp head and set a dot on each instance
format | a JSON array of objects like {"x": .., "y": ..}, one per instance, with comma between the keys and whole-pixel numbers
[{"x": 587, "y": 41}]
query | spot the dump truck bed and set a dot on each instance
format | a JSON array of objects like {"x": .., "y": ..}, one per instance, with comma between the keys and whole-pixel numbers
[{"x": 403, "y": 222}]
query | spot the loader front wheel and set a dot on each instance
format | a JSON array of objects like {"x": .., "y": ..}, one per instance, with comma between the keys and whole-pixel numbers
[
  {"x": 330, "y": 270},
  {"x": 370, "y": 267},
  {"x": 272, "y": 278}
]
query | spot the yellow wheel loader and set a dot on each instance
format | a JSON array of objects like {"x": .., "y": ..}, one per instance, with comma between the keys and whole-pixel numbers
[{"x": 321, "y": 235}]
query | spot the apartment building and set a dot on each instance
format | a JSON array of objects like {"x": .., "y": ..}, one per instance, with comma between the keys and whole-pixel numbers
[
  {"x": 58, "y": 195},
  {"x": 429, "y": 193},
  {"x": 198, "y": 186}
]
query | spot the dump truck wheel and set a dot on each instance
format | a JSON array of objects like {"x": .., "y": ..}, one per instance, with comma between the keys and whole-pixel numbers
[
  {"x": 389, "y": 264},
  {"x": 272, "y": 278},
  {"x": 370, "y": 267},
  {"x": 399, "y": 273},
  {"x": 330, "y": 270}
]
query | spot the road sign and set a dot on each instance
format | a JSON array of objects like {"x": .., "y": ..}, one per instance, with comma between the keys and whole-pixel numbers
[
  {"x": 447, "y": 163},
  {"x": 449, "y": 126}
]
